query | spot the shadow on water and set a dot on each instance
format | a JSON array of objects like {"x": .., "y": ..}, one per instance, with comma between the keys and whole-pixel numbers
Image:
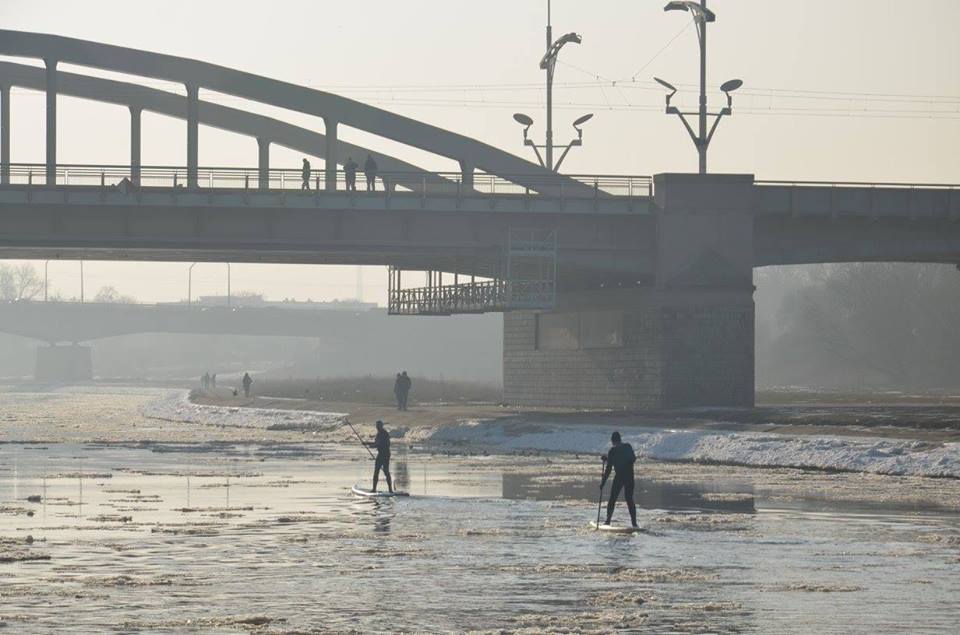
[{"x": 648, "y": 494}]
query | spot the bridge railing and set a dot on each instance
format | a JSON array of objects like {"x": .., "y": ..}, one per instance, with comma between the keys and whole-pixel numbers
[
  {"x": 859, "y": 184},
  {"x": 428, "y": 183}
]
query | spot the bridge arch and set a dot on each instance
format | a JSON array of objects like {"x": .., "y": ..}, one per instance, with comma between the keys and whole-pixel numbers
[
  {"x": 333, "y": 109},
  {"x": 266, "y": 130}
]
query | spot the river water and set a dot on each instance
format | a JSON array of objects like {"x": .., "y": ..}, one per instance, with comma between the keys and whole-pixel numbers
[{"x": 267, "y": 538}]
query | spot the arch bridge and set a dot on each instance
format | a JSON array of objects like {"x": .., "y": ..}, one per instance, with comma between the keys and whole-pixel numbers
[{"x": 618, "y": 291}]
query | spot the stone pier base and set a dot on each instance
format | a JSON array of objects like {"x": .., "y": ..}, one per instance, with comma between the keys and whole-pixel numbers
[
  {"x": 64, "y": 363},
  {"x": 633, "y": 349}
]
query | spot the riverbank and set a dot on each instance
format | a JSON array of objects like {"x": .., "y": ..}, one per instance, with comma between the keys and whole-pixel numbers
[{"x": 918, "y": 441}]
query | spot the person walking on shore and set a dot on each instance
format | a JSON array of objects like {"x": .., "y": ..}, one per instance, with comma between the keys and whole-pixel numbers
[
  {"x": 382, "y": 444},
  {"x": 620, "y": 459}
]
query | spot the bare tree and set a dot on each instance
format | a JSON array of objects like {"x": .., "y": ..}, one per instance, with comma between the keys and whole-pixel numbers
[
  {"x": 876, "y": 325},
  {"x": 19, "y": 282},
  {"x": 110, "y": 294}
]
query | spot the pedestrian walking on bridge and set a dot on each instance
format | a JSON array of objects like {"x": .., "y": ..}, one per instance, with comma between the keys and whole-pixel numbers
[
  {"x": 305, "y": 175},
  {"x": 370, "y": 171},
  {"x": 350, "y": 170}
]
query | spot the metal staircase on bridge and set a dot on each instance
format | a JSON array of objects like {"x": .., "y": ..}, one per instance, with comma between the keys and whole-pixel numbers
[{"x": 529, "y": 281}]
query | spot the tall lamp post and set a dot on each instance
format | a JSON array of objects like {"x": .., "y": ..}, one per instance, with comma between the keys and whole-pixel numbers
[
  {"x": 190, "y": 284},
  {"x": 548, "y": 64},
  {"x": 701, "y": 139}
]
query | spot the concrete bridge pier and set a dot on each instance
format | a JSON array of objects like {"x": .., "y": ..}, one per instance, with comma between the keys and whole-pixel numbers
[
  {"x": 686, "y": 340},
  {"x": 66, "y": 363}
]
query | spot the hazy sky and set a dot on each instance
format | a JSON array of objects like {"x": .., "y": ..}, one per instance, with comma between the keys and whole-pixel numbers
[{"x": 839, "y": 90}]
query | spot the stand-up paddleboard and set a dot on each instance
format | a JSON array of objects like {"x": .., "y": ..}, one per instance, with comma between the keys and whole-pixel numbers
[
  {"x": 616, "y": 529},
  {"x": 360, "y": 491}
]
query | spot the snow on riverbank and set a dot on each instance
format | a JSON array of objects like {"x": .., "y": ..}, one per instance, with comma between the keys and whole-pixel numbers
[
  {"x": 176, "y": 406},
  {"x": 857, "y": 454},
  {"x": 854, "y": 454}
]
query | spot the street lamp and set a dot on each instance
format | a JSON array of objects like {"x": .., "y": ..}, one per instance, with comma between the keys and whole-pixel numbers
[
  {"x": 190, "y": 284},
  {"x": 701, "y": 139},
  {"x": 548, "y": 63}
]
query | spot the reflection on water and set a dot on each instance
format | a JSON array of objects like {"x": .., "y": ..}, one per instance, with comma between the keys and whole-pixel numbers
[
  {"x": 220, "y": 538},
  {"x": 648, "y": 494}
]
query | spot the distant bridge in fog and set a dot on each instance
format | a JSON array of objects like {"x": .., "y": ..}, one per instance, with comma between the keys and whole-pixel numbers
[
  {"x": 618, "y": 291},
  {"x": 77, "y": 322}
]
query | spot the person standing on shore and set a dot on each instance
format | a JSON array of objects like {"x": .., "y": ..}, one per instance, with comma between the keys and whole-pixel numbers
[
  {"x": 405, "y": 384},
  {"x": 246, "y": 384},
  {"x": 620, "y": 459},
  {"x": 382, "y": 444},
  {"x": 398, "y": 391}
]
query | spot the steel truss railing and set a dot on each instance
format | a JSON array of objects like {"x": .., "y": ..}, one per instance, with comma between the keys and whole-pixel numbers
[{"x": 528, "y": 281}]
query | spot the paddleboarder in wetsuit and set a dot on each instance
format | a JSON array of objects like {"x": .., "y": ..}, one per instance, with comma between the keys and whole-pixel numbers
[
  {"x": 382, "y": 443},
  {"x": 620, "y": 459}
]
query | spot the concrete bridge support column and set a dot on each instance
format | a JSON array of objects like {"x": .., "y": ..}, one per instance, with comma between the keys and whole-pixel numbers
[
  {"x": 466, "y": 174},
  {"x": 4, "y": 135},
  {"x": 64, "y": 363},
  {"x": 193, "y": 134},
  {"x": 135, "y": 164},
  {"x": 51, "y": 130},
  {"x": 687, "y": 340},
  {"x": 330, "y": 161},
  {"x": 263, "y": 164},
  {"x": 705, "y": 282}
]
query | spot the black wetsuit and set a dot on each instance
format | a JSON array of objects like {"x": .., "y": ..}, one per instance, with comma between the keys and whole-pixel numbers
[
  {"x": 620, "y": 459},
  {"x": 382, "y": 443}
]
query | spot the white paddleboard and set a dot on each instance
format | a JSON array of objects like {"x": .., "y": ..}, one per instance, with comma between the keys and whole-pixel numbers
[
  {"x": 616, "y": 529},
  {"x": 359, "y": 491}
]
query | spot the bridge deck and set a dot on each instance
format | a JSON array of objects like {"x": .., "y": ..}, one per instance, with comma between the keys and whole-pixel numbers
[
  {"x": 851, "y": 200},
  {"x": 608, "y": 236}
]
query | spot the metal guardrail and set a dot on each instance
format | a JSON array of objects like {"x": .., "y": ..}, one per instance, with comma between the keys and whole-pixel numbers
[
  {"x": 438, "y": 183},
  {"x": 860, "y": 184},
  {"x": 472, "y": 297}
]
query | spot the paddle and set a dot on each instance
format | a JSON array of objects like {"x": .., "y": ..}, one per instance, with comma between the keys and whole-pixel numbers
[
  {"x": 362, "y": 442},
  {"x": 600, "y": 502}
]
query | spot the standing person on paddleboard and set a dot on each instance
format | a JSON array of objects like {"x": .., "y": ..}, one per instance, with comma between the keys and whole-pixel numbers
[
  {"x": 620, "y": 459},
  {"x": 382, "y": 443}
]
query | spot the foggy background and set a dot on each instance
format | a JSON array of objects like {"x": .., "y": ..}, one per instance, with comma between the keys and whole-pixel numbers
[{"x": 824, "y": 99}]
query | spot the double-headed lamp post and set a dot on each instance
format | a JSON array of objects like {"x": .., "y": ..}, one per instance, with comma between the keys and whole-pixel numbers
[
  {"x": 548, "y": 64},
  {"x": 701, "y": 139}
]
